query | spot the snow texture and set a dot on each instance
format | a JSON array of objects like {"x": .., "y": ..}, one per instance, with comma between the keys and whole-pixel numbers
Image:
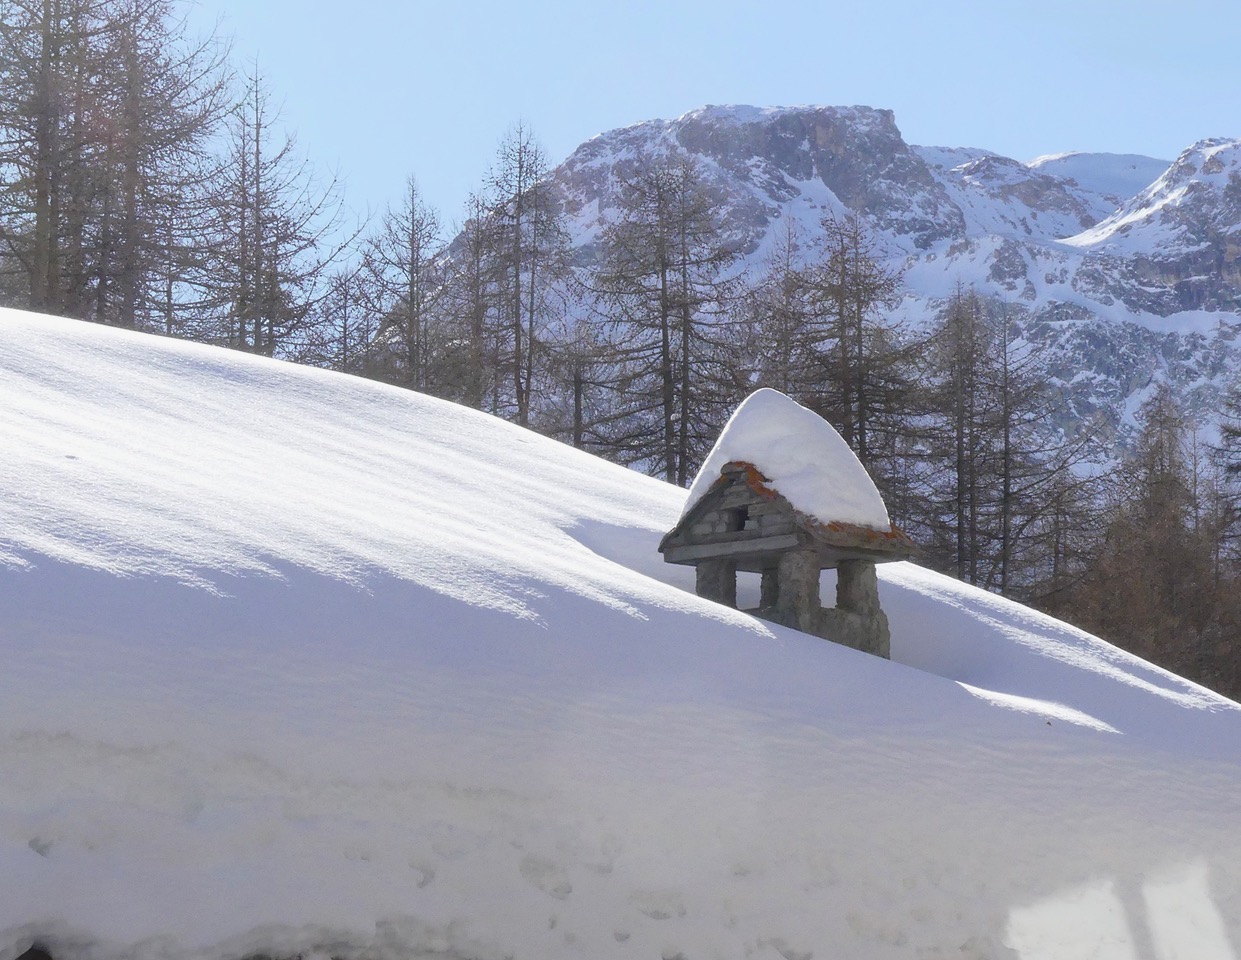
[
  {"x": 296, "y": 664},
  {"x": 803, "y": 458}
]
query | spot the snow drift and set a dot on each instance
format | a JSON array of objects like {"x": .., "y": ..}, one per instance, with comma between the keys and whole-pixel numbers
[{"x": 295, "y": 663}]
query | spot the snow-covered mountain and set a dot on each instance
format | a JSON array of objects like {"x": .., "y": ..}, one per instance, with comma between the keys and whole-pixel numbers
[
  {"x": 1112, "y": 177},
  {"x": 1180, "y": 237},
  {"x": 1120, "y": 269},
  {"x": 298, "y": 664}
]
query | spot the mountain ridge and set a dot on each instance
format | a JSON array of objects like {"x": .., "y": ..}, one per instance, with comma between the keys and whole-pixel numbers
[{"x": 1115, "y": 292}]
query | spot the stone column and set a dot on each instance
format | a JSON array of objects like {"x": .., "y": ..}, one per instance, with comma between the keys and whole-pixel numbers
[
  {"x": 797, "y": 603},
  {"x": 857, "y": 592},
  {"x": 717, "y": 580},
  {"x": 769, "y": 593}
]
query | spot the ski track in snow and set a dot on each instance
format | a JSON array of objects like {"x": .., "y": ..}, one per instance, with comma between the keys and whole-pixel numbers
[{"x": 301, "y": 664}]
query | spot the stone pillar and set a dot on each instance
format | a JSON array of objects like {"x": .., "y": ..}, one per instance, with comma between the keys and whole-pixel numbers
[
  {"x": 857, "y": 593},
  {"x": 717, "y": 580},
  {"x": 797, "y": 603},
  {"x": 769, "y": 593},
  {"x": 857, "y": 586}
]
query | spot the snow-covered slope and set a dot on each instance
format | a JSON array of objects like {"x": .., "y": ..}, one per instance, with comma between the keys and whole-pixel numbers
[
  {"x": 1117, "y": 270},
  {"x": 1113, "y": 177},
  {"x": 299, "y": 664},
  {"x": 1194, "y": 203},
  {"x": 1003, "y": 198}
]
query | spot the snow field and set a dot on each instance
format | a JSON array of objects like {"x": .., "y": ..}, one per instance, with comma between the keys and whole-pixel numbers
[{"x": 300, "y": 664}]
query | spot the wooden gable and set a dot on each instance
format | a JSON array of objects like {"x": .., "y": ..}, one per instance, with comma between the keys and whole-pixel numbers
[
  {"x": 743, "y": 520},
  {"x": 735, "y": 522}
]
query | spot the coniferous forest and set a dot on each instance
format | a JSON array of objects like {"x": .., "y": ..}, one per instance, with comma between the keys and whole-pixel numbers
[{"x": 147, "y": 182}]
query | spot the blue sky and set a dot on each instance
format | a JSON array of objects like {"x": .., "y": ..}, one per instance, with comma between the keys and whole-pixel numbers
[{"x": 382, "y": 90}]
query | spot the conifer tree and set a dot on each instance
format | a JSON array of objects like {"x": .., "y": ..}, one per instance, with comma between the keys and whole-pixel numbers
[
  {"x": 278, "y": 232},
  {"x": 1007, "y": 481},
  {"x": 471, "y": 298},
  {"x": 342, "y": 332},
  {"x": 663, "y": 281},
  {"x": 1140, "y": 586},
  {"x": 400, "y": 263},
  {"x": 107, "y": 110},
  {"x": 530, "y": 247},
  {"x": 863, "y": 372},
  {"x": 777, "y": 333}
]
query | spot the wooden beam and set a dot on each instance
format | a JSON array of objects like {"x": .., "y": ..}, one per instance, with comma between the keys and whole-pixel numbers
[{"x": 692, "y": 553}]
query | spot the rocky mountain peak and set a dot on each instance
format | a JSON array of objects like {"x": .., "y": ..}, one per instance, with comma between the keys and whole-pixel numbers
[
  {"x": 1200, "y": 192},
  {"x": 1181, "y": 236},
  {"x": 816, "y": 159},
  {"x": 856, "y": 153},
  {"x": 1120, "y": 269}
]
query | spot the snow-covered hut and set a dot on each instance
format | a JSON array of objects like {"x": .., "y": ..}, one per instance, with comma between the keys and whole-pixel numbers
[{"x": 782, "y": 495}]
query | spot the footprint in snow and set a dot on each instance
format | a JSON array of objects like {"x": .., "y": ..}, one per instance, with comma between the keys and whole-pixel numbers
[
  {"x": 545, "y": 875},
  {"x": 789, "y": 953},
  {"x": 425, "y": 873},
  {"x": 657, "y": 905}
]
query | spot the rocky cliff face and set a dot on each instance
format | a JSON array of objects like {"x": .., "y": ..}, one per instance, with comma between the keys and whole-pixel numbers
[
  {"x": 1180, "y": 237},
  {"x": 1115, "y": 291}
]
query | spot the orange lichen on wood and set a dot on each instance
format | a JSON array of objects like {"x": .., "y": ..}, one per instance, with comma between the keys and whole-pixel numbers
[{"x": 891, "y": 537}]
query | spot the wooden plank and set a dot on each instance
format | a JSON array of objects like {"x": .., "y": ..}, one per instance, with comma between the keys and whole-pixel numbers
[{"x": 691, "y": 553}]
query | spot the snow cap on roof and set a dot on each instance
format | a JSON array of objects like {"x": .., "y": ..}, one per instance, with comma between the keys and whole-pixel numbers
[{"x": 803, "y": 458}]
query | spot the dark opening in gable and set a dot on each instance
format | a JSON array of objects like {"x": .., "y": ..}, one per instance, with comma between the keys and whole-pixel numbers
[{"x": 737, "y": 518}]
